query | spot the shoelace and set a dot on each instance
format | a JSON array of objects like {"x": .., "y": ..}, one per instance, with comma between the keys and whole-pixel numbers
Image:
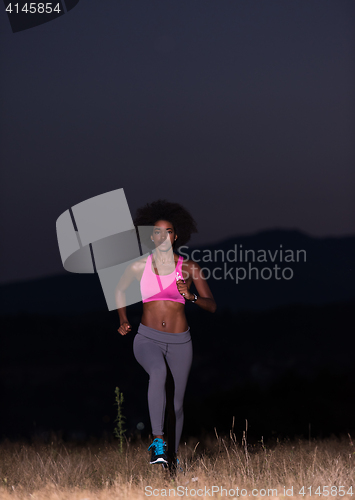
[{"x": 158, "y": 444}]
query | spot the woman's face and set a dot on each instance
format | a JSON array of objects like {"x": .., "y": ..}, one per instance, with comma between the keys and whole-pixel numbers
[{"x": 163, "y": 235}]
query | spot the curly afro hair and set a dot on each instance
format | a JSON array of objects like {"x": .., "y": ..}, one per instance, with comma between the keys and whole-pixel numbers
[{"x": 182, "y": 221}]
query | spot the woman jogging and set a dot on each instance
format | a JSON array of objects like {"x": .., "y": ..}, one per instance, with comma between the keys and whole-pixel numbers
[{"x": 164, "y": 334}]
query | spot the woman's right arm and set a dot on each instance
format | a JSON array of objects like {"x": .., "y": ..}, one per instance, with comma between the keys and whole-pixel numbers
[{"x": 120, "y": 296}]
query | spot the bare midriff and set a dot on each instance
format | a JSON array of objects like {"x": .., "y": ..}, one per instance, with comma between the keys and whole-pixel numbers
[{"x": 165, "y": 315}]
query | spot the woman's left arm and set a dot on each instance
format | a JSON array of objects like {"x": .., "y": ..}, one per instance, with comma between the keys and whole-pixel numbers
[{"x": 204, "y": 295}]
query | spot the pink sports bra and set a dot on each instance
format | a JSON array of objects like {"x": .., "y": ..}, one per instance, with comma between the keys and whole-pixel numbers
[{"x": 156, "y": 287}]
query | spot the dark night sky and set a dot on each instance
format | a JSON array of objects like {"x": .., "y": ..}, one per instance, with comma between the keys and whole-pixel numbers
[{"x": 241, "y": 110}]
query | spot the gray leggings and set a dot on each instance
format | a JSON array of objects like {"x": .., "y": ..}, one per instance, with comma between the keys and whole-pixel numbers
[{"x": 151, "y": 348}]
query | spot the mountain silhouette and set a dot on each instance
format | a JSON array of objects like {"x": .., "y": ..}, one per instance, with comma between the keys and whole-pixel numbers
[
  {"x": 324, "y": 273},
  {"x": 283, "y": 346}
]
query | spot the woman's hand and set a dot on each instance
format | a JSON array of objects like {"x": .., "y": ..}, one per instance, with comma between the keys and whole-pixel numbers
[
  {"x": 183, "y": 289},
  {"x": 124, "y": 328}
]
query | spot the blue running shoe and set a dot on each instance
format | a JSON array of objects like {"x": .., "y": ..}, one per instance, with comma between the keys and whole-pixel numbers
[
  {"x": 174, "y": 466},
  {"x": 158, "y": 447},
  {"x": 178, "y": 466}
]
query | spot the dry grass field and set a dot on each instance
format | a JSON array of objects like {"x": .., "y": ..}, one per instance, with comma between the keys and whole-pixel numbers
[{"x": 217, "y": 468}]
